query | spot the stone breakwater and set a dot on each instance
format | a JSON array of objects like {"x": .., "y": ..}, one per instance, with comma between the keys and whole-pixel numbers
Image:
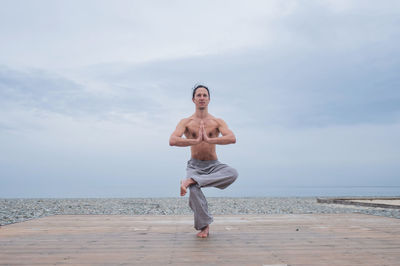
[{"x": 19, "y": 210}]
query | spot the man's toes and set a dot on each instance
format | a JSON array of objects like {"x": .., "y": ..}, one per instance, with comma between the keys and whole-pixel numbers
[{"x": 202, "y": 235}]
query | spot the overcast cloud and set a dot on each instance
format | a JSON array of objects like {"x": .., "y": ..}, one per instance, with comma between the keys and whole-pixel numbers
[{"x": 90, "y": 92}]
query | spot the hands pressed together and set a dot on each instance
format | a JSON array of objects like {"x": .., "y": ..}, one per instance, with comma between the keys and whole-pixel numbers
[{"x": 202, "y": 134}]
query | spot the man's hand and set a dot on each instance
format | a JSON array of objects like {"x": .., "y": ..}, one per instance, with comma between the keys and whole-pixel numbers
[
  {"x": 200, "y": 137},
  {"x": 204, "y": 132}
]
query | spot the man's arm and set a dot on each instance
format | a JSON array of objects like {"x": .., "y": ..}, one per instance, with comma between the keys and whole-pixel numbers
[
  {"x": 176, "y": 138},
  {"x": 227, "y": 135}
]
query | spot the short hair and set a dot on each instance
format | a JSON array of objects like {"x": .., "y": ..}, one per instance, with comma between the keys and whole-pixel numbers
[{"x": 200, "y": 86}]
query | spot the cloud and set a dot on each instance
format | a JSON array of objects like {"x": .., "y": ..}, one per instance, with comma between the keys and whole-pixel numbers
[
  {"x": 99, "y": 32},
  {"x": 91, "y": 94},
  {"x": 251, "y": 88},
  {"x": 135, "y": 32},
  {"x": 38, "y": 89},
  {"x": 50, "y": 92}
]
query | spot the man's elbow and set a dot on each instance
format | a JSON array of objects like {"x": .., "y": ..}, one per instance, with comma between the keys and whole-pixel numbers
[
  {"x": 172, "y": 142},
  {"x": 233, "y": 140}
]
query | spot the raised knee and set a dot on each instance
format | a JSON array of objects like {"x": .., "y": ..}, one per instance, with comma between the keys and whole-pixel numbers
[{"x": 235, "y": 174}]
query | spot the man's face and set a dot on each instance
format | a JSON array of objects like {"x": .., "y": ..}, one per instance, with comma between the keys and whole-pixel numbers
[{"x": 201, "y": 98}]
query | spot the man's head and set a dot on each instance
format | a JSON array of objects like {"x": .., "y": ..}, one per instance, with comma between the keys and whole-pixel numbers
[
  {"x": 201, "y": 96},
  {"x": 198, "y": 87}
]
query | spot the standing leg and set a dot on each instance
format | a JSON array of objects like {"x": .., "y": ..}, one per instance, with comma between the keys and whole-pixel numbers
[
  {"x": 198, "y": 203},
  {"x": 200, "y": 175}
]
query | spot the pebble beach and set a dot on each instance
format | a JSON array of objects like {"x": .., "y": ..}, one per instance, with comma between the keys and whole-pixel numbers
[{"x": 19, "y": 210}]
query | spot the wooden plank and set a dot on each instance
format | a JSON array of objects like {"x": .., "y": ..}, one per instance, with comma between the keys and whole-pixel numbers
[{"x": 298, "y": 239}]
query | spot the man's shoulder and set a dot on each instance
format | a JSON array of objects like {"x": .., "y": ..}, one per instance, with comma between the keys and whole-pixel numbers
[
  {"x": 217, "y": 119},
  {"x": 186, "y": 120}
]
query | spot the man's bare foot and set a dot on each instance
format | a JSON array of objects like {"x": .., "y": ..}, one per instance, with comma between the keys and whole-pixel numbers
[
  {"x": 183, "y": 188},
  {"x": 204, "y": 233},
  {"x": 185, "y": 184}
]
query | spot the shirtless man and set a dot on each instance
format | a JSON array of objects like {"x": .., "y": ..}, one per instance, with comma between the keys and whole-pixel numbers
[{"x": 202, "y": 132}]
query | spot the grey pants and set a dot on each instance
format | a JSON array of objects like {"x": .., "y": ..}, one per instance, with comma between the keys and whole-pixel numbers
[{"x": 206, "y": 174}]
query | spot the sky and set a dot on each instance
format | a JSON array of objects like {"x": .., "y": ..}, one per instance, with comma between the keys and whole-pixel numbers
[{"x": 90, "y": 92}]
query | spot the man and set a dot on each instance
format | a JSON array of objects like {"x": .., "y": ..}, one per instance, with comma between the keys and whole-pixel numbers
[{"x": 202, "y": 132}]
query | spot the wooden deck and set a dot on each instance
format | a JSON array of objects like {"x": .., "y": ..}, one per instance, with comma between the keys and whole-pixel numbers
[{"x": 307, "y": 239}]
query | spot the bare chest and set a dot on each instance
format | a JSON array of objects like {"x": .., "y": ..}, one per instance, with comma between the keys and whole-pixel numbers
[{"x": 193, "y": 128}]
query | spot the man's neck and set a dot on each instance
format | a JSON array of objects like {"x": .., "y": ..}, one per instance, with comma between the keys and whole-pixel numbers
[{"x": 201, "y": 113}]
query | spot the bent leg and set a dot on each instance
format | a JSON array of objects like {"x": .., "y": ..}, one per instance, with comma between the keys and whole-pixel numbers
[
  {"x": 221, "y": 176},
  {"x": 198, "y": 203}
]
